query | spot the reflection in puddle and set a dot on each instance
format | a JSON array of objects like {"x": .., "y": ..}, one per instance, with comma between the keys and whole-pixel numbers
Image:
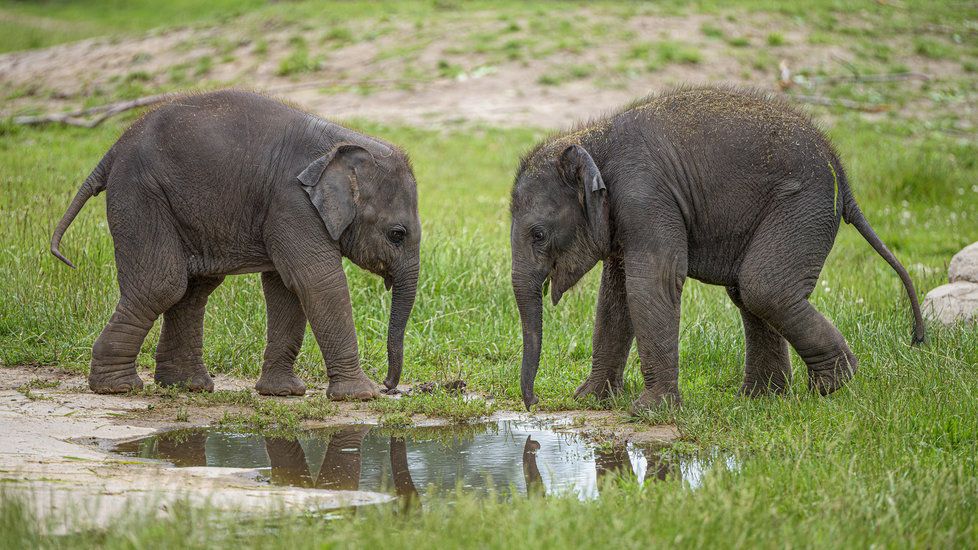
[{"x": 499, "y": 456}]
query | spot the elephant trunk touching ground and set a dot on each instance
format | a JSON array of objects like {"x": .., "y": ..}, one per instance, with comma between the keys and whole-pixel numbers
[
  {"x": 405, "y": 287},
  {"x": 528, "y": 288}
]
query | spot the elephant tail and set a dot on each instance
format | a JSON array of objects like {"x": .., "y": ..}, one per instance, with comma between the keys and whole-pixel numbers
[
  {"x": 854, "y": 216},
  {"x": 94, "y": 184}
]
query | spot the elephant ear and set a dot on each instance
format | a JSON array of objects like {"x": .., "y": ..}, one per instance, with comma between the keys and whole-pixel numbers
[
  {"x": 331, "y": 183},
  {"x": 578, "y": 167}
]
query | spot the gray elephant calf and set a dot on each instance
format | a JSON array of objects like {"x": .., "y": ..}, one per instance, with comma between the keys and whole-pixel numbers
[
  {"x": 731, "y": 188},
  {"x": 233, "y": 182}
]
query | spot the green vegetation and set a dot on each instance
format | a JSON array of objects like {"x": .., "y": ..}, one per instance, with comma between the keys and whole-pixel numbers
[
  {"x": 278, "y": 416},
  {"x": 711, "y": 31},
  {"x": 738, "y": 41},
  {"x": 440, "y": 403},
  {"x": 37, "y": 384},
  {"x": 656, "y": 55},
  {"x": 776, "y": 39},
  {"x": 564, "y": 74},
  {"x": 858, "y": 466},
  {"x": 26, "y": 25},
  {"x": 300, "y": 60},
  {"x": 933, "y": 48}
]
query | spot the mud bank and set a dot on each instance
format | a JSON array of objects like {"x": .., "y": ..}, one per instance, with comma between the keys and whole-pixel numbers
[{"x": 55, "y": 436}]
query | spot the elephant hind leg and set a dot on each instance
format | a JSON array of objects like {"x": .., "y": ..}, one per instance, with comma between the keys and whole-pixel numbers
[
  {"x": 152, "y": 278},
  {"x": 778, "y": 272},
  {"x": 179, "y": 355},
  {"x": 767, "y": 367}
]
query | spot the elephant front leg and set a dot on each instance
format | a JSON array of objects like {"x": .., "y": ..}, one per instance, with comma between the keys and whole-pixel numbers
[
  {"x": 286, "y": 327},
  {"x": 613, "y": 335},
  {"x": 179, "y": 355},
  {"x": 767, "y": 367},
  {"x": 654, "y": 286},
  {"x": 325, "y": 299}
]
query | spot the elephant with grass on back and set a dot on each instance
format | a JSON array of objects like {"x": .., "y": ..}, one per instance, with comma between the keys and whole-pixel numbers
[
  {"x": 233, "y": 182},
  {"x": 725, "y": 186}
]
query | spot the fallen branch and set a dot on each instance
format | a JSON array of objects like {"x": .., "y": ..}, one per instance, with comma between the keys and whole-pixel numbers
[
  {"x": 888, "y": 77},
  {"x": 104, "y": 112},
  {"x": 326, "y": 83},
  {"x": 786, "y": 80},
  {"x": 848, "y": 104}
]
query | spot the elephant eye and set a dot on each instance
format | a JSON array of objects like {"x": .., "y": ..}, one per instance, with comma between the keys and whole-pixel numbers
[
  {"x": 396, "y": 235},
  {"x": 537, "y": 234}
]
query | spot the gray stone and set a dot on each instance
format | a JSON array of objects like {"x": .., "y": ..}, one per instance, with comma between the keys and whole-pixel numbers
[
  {"x": 964, "y": 265},
  {"x": 952, "y": 303}
]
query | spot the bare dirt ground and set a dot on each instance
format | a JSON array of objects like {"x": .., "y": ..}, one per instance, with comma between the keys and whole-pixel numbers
[
  {"x": 54, "y": 436},
  {"x": 472, "y": 69}
]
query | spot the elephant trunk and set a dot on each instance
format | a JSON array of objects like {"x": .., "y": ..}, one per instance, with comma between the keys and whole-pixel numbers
[
  {"x": 405, "y": 287},
  {"x": 529, "y": 299}
]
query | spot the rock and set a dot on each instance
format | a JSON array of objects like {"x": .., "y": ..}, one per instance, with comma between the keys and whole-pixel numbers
[
  {"x": 953, "y": 303},
  {"x": 964, "y": 265}
]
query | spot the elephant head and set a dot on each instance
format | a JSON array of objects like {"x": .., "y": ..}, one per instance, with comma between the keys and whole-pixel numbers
[
  {"x": 560, "y": 230},
  {"x": 366, "y": 194}
]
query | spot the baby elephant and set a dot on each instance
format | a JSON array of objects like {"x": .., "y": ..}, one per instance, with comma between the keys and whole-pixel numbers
[
  {"x": 233, "y": 182},
  {"x": 729, "y": 187}
]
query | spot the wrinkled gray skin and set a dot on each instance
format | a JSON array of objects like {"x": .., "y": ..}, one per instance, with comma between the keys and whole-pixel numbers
[
  {"x": 233, "y": 182},
  {"x": 724, "y": 186}
]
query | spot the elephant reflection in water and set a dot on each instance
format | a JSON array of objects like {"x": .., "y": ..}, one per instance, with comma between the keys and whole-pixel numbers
[
  {"x": 534, "y": 481},
  {"x": 340, "y": 468},
  {"x": 183, "y": 449},
  {"x": 608, "y": 464}
]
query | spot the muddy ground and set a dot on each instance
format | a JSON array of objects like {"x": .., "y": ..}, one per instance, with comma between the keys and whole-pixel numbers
[{"x": 55, "y": 435}]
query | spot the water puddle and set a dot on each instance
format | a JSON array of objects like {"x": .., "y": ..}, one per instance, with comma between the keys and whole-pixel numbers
[{"x": 481, "y": 458}]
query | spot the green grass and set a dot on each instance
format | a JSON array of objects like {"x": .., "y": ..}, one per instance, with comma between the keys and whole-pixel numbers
[
  {"x": 858, "y": 466},
  {"x": 656, "y": 55},
  {"x": 465, "y": 321},
  {"x": 299, "y": 60},
  {"x": 776, "y": 39},
  {"x": 27, "y": 25}
]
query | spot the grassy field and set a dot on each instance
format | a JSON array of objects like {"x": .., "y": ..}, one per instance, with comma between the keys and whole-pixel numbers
[
  {"x": 890, "y": 461},
  {"x": 891, "y": 458}
]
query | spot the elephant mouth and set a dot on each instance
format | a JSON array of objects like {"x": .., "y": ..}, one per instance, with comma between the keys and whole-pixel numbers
[
  {"x": 556, "y": 292},
  {"x": 388, "y": 282},
  {"x": 554, "y": 287}
]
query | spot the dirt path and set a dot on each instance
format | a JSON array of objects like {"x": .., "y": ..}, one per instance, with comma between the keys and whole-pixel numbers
[
  {"x": 465, "y": 69},
  {"x": 54, "y": 436}
]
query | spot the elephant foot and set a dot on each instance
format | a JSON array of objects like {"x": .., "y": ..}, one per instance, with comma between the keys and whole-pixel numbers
[
  {"x": 280, "y": 383},
  {"x": 116, "y": 381},
  {"x": 359, "y": 388},
  {"x": 828, "y": 376},
  {"x": 194, "y": 377},
  {"x": 601, "y": 387},
  {"x": 760, "y": 387},
  {"x": 654, "y": 399}
]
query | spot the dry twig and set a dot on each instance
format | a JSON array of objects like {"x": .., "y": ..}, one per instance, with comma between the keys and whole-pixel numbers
[
  {"x": 839, "y": 102},
  {"x": 104, "y": 112}
]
